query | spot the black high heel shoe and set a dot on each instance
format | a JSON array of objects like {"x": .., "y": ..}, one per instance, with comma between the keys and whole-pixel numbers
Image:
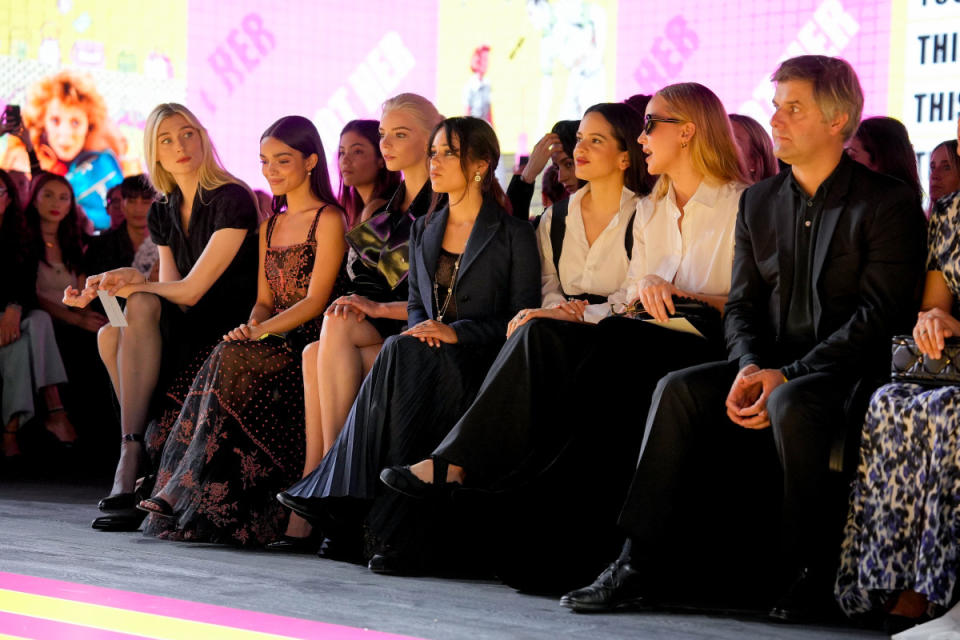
[
  {"x": 123, "y": 501},
  {"x": 402, "y": 480}
]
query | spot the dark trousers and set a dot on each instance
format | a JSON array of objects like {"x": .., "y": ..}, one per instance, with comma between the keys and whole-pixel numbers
[{"x": 693, "y": 455}]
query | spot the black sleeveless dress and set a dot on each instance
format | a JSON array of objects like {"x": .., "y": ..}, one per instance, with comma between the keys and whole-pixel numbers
[{"x": 239, "y": 438}]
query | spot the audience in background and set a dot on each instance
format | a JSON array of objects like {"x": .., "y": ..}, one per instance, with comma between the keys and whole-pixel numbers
[
  {"x": 30, "y": 362},
  {"x": 756, "y": 149},
  {"x": 118, "y": 247},
  {"x": 556, "y": 146},
  {"x": 883, "y": 144},
  {"x": 944, "y": 171},
  {"x": 54, "y": 263},
  {"x": 365, "y": 181},
  {"x": 114, "y": 206}
]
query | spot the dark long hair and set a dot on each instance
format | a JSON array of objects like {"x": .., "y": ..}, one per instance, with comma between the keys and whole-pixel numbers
[
  {"x": 476, "y": 142},
  {"x": 298, "y": 132},
  {"x": 627, "y": 125},
  {"x": 68, "y": 231},
  {"x": 386, "y": 182},
  {"x": 887, "y": 143}
]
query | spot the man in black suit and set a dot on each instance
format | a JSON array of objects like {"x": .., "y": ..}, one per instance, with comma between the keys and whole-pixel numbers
[{"x": 828, "y": 264}]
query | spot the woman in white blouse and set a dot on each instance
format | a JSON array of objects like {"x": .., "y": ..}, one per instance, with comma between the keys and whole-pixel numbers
[{"x": 560, "y": 414}]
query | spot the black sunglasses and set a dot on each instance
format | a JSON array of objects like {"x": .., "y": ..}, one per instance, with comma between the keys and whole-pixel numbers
[{"x": 650, "y": 121}]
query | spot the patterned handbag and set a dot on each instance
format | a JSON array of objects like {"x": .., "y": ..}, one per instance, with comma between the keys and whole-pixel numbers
[{"x": 909, "y": 365}]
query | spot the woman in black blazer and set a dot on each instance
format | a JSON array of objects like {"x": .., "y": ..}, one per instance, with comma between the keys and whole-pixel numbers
[{"x": 472, "y": 267}]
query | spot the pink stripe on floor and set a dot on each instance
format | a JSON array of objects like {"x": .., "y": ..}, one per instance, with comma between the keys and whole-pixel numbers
[
  {"x": 30, "y": 627},
  {"x": 186, "y": 610}
]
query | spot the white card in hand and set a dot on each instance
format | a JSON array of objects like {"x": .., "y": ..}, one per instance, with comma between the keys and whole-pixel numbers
[{"x": 112, "y": 307}]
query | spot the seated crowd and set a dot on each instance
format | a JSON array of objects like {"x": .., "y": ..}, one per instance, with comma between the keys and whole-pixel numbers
[{"x": 666, "y": 373}]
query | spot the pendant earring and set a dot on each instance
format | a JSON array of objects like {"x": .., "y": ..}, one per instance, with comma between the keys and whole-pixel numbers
[{"x": 477, "y": 178}]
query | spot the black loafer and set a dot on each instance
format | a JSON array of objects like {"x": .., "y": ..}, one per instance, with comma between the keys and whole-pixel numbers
[
  {"x": 617, "y": 588},
  {"x": 402, "y": 480},
  {"x": 118, "y": 502}
]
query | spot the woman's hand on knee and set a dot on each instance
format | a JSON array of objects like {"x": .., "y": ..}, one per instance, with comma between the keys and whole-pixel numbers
[
  {"x": 10, "y": 325},
  {"x": 360, "y": 306},
  {"x": 433, "y": 333},
  {"x": 113, "y": 281}
]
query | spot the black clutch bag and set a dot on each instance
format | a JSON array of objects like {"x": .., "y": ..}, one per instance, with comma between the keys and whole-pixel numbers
[
  {"x": 908, "y": 364},
  {"x": 701, "y": 315}
]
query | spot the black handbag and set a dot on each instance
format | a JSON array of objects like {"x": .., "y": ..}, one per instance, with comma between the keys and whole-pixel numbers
[
  {"x": 701, "y": 315},
  {"x": 908, "y": 364}
]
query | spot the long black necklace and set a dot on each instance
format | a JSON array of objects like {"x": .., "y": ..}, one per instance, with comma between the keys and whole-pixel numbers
[{"x": 453, "y": 283}]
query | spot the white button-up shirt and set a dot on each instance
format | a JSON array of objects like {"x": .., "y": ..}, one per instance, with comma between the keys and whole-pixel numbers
[
  {"x": 598, "y": 269},
  {"x": 696, "y": 255}
]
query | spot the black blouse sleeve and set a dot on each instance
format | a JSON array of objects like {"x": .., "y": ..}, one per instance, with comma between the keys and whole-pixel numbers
[
  {"x": 234, "y": 208},
  {"x": 158, "y": 222},
  {"x": 520, "y": 194}
]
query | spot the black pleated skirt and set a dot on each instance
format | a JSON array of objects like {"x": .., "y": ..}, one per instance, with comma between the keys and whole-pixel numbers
[{"x": 408, "y": 402}]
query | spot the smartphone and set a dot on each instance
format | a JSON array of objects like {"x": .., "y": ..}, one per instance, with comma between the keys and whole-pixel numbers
[{"x": 11, "y": 118}]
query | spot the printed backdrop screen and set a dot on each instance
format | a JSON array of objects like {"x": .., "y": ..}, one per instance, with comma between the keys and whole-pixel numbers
[{"x": 522, "y": 64}]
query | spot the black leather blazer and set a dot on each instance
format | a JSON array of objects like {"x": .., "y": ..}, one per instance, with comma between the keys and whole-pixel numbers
[{"x": 499, "y": 273}]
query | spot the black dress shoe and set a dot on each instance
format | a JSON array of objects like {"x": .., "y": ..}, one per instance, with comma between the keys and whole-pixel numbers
[
  {"x": 119, "y": 502},
  {"x": 619, "y": 587},
  {"x": 295, "y": 544},
  {"x": 808, "y": 599}
]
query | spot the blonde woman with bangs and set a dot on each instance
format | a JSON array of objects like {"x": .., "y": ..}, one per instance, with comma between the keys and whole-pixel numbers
[{"x": 204, "y": 225}]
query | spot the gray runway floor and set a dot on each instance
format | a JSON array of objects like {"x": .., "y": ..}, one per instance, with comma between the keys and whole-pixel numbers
[{"x": 45, "y": 532}]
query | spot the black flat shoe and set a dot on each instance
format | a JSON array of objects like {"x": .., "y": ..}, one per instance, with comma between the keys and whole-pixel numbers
[
  {"x": 402, "y": 480},
  {"x": 619, "y": 587},
  {"x": 294, "y": 544},
  {"x": 118, "y": 502},
  {"x": 126, "y": 521}
]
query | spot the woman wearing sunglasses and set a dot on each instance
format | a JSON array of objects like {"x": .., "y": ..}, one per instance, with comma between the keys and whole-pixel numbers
[{"x": 563, "y": 458}]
